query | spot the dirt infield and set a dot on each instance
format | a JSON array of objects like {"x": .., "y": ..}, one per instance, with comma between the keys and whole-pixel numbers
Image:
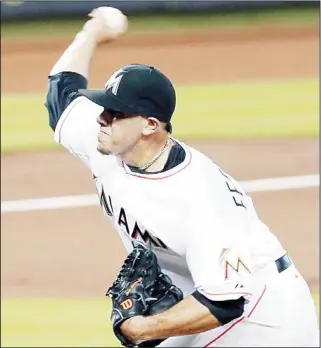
[
  {"x": 210, "y": 56},
  {"x": 75, "y": 252}
]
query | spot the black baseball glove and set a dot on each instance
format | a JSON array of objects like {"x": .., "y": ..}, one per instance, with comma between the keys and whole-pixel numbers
[{"x": 141, "y": 289}]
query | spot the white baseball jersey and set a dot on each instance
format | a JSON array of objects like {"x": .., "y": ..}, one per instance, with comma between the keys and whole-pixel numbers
[
  {"x": 200, "y": 223},
  {"x": 206, "y": 235}
]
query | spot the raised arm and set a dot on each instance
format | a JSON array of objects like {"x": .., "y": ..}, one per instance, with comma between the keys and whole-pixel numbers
[{"x": 71, "y": 73}]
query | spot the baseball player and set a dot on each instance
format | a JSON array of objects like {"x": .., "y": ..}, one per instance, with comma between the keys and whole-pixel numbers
[{"x": 240, "y": 286}]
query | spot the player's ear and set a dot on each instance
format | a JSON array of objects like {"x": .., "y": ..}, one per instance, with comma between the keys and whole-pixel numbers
[{"x": 151, "y": 125}]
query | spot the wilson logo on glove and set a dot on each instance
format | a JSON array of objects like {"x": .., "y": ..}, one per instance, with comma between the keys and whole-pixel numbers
[
  {"x": 127, "y": 304},
  {"x": 141, "y": 289}
]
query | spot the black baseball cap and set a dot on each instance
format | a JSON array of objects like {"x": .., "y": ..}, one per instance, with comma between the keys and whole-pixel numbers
[{"x": 137, "y": 89}]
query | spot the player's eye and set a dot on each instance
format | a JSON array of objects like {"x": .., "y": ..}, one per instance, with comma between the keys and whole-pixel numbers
[
  {"x": 107, "y": 116},
  {"x": 118, "y": 115}
]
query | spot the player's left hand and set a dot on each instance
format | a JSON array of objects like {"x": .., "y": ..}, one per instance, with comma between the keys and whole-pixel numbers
[{"x": 140, "y": 289}]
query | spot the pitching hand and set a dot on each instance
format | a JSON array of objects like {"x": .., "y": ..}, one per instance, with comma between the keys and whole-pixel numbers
[{"x": 106, "y": 24}]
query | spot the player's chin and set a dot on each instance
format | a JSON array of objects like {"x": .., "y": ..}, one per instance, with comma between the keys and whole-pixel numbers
[{"x": 103, "y": 149}]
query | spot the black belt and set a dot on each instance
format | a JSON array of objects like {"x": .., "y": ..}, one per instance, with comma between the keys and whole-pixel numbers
[{"x": 283, "y": 263}]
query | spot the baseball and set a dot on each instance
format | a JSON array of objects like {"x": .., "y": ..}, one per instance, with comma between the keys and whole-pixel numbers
[{"x": 114, "y": 21}]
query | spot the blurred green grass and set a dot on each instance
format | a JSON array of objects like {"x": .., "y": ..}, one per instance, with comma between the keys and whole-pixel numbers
[
  {"x": 56, "y": 323},
  {"x": 59, "y": 323},
  {"x": 267, "y": 109},
  {"x": 161, "y": 22}
]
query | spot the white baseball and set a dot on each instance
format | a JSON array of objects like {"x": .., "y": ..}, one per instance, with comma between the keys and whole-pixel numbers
[{"x": 113, "y": 19}]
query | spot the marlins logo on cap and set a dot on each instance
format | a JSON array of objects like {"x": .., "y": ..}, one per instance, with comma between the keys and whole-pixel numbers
[{"x": 114, "y": 81}]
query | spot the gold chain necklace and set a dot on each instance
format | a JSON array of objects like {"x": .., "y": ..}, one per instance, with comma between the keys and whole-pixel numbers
[{"x": 155, "y": 158}]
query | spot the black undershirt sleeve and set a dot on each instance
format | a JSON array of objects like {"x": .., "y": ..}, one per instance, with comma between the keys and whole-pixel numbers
[
  {"x": 62, "y": 90},
  {"x": 224, "y": 311}
]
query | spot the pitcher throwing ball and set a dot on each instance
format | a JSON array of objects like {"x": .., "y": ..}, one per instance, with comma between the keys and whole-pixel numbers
[{"x": 202, "y": 269}]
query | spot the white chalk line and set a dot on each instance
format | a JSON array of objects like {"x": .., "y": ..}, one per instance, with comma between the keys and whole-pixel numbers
[{"x": 64, "y": 202}]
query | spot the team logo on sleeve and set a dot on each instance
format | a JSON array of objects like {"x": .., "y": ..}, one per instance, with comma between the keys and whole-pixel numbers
[{"x": 236, "y": 260}]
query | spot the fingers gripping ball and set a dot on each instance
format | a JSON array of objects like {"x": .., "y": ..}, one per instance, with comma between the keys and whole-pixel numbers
[{"x": 141, "y": 289}]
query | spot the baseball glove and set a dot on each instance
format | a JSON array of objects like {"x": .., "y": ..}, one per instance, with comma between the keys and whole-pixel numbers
[{"x": 141, "y": 289}]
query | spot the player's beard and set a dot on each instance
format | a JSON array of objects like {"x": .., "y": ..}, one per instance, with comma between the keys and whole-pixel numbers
[{"x": 103, "y": 151}]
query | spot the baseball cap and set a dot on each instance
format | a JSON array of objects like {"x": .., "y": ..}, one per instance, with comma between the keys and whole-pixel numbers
[{"x": 137, "y": 89}]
